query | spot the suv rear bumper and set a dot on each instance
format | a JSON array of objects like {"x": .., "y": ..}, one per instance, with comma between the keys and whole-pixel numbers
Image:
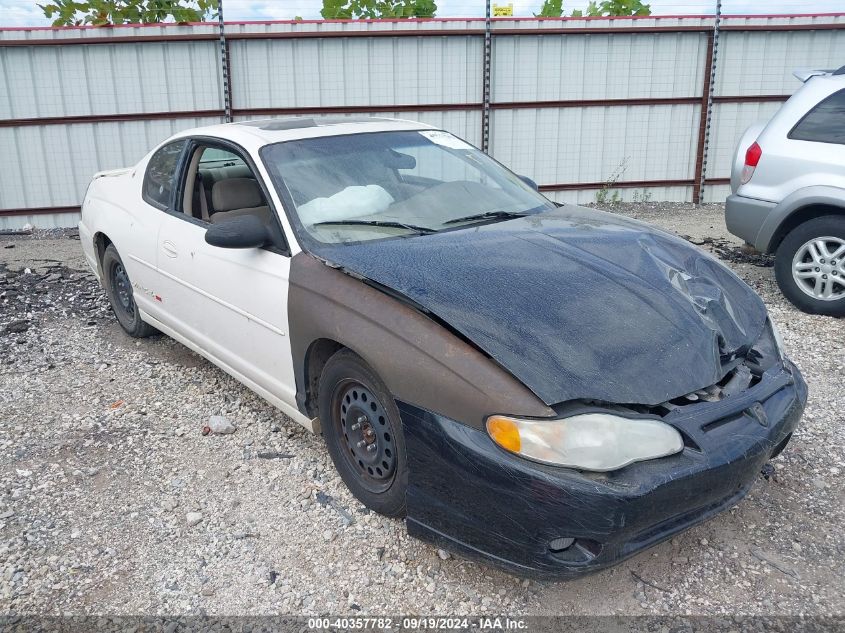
[{"x": 745, "y": 218}]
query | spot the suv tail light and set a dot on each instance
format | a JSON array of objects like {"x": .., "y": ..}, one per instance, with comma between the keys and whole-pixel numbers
[{"x": 752, "y": 157}]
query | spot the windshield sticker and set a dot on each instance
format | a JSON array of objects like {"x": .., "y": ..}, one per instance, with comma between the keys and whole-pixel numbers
[{"x": 445, "y": 139}]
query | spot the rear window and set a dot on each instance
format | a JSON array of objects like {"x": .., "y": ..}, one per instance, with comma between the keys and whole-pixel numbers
[
  {"x": 160, "y": 179},
  {"x": 825, "y": 123}
]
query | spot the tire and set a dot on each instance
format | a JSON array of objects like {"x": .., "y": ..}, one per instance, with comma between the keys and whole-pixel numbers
[
  {"x": 807, "y": 251},
  {"x": 119, "y": 291},
  {"x": 351, "y": 393}
]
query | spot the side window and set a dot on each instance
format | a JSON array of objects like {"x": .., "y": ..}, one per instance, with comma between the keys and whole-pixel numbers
[
  {"x": 160, "y": 179},
  {"x": 825, "y": 123},
  {"x": 220, "y": 185},
  {"x": 216, "y": 157}
]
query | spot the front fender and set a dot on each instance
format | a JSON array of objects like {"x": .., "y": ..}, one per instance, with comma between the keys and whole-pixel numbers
[{"x": 421, "y": 361}]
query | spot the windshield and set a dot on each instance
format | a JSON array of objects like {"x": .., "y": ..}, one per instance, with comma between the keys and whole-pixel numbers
[{"x": 361, "y": 187}]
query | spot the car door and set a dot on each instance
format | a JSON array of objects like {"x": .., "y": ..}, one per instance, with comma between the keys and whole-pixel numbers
[
  {"x": 230, "y": 303},
  {"x": 157, "y": 189}
]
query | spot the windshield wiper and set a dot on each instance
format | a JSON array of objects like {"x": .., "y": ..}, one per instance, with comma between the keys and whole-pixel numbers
[
  {"x": 487, "y": 215},
  {"x": 423, "y": 230}
]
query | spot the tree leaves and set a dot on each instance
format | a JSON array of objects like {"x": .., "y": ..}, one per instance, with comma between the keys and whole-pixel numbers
[
  {"x": 109, "y": 12},
  {"x": 617, "y": 8},
  {"x": 550, "y": 9},
  {"x": 377, "y": 9},
  {"x": 554, "y": 9}
]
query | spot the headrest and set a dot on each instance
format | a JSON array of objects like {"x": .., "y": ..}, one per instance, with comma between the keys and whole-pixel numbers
[{"x": 236, "y": 193}]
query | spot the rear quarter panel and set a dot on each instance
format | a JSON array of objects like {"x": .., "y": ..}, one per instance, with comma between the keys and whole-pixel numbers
[{"x": 113, "y": 208}]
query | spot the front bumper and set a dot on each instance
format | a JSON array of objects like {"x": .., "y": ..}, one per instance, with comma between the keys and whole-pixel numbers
[
  {"x": 468, "y": 495},
  {"x": 745, "y": 217}
]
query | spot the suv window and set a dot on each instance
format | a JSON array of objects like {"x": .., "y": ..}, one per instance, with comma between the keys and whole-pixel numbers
[
  {"x": 825, "y": 123},
  {"x": 160, "y": 179}
]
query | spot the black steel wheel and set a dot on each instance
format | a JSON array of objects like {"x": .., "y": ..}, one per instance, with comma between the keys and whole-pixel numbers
[
  {"x": 362, "y": 421},
  {"x": 122, "y": 289},
  {"x": 363, "y": 433},
  {"x": 119, "y": 291}
]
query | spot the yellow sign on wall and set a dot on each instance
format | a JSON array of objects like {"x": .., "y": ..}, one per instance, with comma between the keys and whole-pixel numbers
[{"x": 502, "y": 10}]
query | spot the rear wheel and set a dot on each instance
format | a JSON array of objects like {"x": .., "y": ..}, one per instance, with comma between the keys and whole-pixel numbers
[
  {"x": 363, "y": 433},
  {"x": 121, "y": 297},
  {"x": 810, "y": 266}
]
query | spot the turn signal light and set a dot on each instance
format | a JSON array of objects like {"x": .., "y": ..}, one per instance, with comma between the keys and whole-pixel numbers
[{"x": 504, "y": 432}]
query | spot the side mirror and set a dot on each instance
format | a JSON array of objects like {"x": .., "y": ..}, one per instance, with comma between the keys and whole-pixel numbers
[
  {"x": 245, "y": 231},
  {"x": 529, "y": 182}
]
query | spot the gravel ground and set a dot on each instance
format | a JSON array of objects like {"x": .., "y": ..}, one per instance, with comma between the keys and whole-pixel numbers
[{"x": 113, "y": 502}]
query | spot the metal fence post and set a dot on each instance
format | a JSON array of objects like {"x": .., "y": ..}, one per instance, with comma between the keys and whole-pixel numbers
[
  {"x": 224, "y": 65},
  {"x": 485, "y": 90},
  {"x": 706, "y": 107}
]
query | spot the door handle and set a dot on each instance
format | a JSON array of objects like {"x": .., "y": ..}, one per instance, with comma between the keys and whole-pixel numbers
[{"x": 169, "y": 248}]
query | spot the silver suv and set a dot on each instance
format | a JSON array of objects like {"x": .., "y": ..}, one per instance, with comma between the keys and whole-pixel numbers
[{"x": 788, "y": 184}]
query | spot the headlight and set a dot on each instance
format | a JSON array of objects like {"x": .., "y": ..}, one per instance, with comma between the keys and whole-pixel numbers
[{"x": 590, "y": 441}]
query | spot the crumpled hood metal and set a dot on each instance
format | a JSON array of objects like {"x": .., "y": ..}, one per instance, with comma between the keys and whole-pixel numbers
[{"x": 575, "y": 303}]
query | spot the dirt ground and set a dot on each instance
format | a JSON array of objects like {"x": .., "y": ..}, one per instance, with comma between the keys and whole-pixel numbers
[{"x": 112, "y": 501}]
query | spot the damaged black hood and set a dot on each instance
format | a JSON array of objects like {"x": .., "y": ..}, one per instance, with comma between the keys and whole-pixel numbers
[{"x": 575, "y": 303}]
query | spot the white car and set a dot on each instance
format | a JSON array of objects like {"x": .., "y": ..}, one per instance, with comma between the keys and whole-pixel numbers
[{"x": 549, "y": 388}]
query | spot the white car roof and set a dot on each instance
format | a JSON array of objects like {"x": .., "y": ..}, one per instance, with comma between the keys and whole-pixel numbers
[{"x": 253, "y": 135}]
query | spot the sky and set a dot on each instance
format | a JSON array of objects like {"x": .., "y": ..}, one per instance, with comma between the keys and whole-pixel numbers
[{"x": 27, "y": 13}]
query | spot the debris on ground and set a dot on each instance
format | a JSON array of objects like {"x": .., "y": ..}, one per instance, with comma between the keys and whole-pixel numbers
[
  {"x": 273, "y": 455},
  {"x": 220, "y": 425}
]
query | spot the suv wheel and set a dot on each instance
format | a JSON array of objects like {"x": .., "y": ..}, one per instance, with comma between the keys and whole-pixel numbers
[{"x": 810, "y": 266}]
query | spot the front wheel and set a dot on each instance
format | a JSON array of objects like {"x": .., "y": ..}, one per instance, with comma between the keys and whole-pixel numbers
[
  {"x": 810, "y": 266},
  {"x": 363, "y": 433},
  {"x": 122, "y": 300}
]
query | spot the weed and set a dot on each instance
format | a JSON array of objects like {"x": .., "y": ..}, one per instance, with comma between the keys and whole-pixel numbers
[
  {"x": 606, "y": 195},
  {"x": 642, "y": 196}
]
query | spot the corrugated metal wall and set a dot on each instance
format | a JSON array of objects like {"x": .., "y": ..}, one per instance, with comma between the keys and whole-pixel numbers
[
  {"x": 49, "y": 166},
  {"x": 556, "y": 145},
  {"x": 356, "y": 72},
  {"x": 54, "y": 163},
  {"x": 573, "y": 103},
  {"x": 56, "y": 81}
]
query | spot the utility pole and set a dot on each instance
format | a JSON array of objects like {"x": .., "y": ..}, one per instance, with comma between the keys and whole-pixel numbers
[
  {"x": 709, "y": 101},
  {"x": 485, "y": 89},
  {"x": 224, "y": 65}
]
